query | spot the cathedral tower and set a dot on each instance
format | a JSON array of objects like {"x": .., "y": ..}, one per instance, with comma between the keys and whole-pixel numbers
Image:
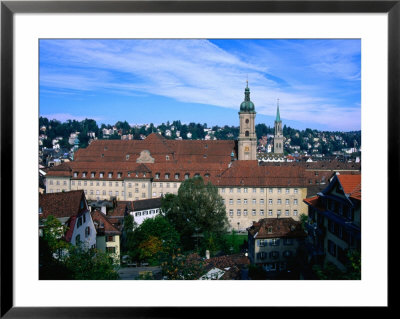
[
  {"x": 278, "y": 137},
  {"x": 247, "y": 135}
]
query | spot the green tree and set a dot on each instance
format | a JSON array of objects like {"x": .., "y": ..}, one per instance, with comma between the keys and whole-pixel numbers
[
  {"x": 90, "y": 264},
  {"x": 157, "y": 229},
  {"x": 183, "y": 267},
  {"x": 53, "y": 234},
  {"x": 197, "y": 208}
]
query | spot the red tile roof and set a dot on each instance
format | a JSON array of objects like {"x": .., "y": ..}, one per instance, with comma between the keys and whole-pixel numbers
[
  {"x": 103, "y": 225},
  {"x": 280, "y": 228},
  {"x": 351, "y": 185},
  {"x": 64, "y": 204}
]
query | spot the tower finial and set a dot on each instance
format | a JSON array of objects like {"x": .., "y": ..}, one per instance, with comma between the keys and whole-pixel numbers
[{"x": 278, "y": 116}]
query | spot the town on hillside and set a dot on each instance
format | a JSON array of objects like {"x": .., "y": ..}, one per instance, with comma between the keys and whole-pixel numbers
[{"x": 187, "y": 202}]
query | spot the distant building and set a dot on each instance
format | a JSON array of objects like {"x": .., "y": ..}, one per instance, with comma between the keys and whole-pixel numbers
[
  {"x": 278, "y": 137},
  {"x": 144, "y": 209}
]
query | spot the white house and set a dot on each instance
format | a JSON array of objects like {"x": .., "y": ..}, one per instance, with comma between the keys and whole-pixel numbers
[{"x": 144, "y": 209}]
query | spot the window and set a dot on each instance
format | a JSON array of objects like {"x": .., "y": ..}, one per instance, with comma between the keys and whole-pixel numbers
[
  {"x": 231, "y": 212},
  {"x": 65, "y": 183},
  {"x": 247, "y": 133},
  {"x": 110, "y": 175},
  {"x": 111, "y": 250},
  {"x": 119, "y": 175},
  {"x": 279, "y": 191},
  {"x": 254, "y": 201},
  {"x": 91, "y": 192},
  {"x": 92, "y": 174},
  {"x": 254, "y": 190},
  {"x": 129, "y": 194},
  {"x": 287, "y": 253},
  {"x": 262, "y": 212},
  {"x": 167, "y": 157},
  {"x": 87, "y": 231},
  {"x": 97, "y": 192},
  {"x": 136, "y": 190},
  {"x": 58, "y": 183},
  {"x": 167, "y": 185},
  {"x": 288, "y": 241},
  {"x": 279, "y": 201},
  {"x": 101, "y": 174},
  {"x": 110, "y": 193},
  {"x": 331, "y": 248},
  {"x": 110, "y": 184},
  {"x": 175, "y": 185},
  {"x": 245, "y": 212},
  {"x": 166, "y": 175},
  {"x": 295, "y": 201},
  {"x": 274, "y": 241},
  {"x": 104, "y": 192},
  {"x": 72, "y": 183},
  {"x": 270, "y": 230},
  {"x": 261, "y": 242},
  {"x": 161, "y": 185},
  {"x": 286, "y": 212},
  {"x": 274, "y": 254},
  {"x": 79, "y": 183},
  {"x": 238, "y": 190},
  {"x": 157, "y": 175},
  {"x": 231, "y": 201},
  {"x": 222, "y": 190},
  {"x": 253, "y": 212},
  {"x": 278, "y": 212},
  {"x": 287, "y": 201},
  {"x": 239, "y": 212},
  {"x": 245, "y": 190},
  {"x": 223, "y": 201},
  {"x": 245, "y": 201},
  {"x": 296, "y": 191},
  {"x": 295, "y": 212},
  {"x": 270, "y": 201},
  {"x": 270, "y": 212},
  {"x": 270, "y": 190},
  {"x": 187, "y": 176},
  {"x": 287, "y": 190},
  {"x": 176, "y": 176},
  {"x": 110, "y": 239},
  {"x": 84, "y": 174},
  {"x": 127, "y": 156},
  {"x": 230, "y": 190},
  {"x": 143, "y": 195},
  {"x": 91, "y": 183},
  {"x": 75, "y": 174},
  {"x": 262, "y": 201},
  {"x": 239, "y": 201},
  {"x": 261, "y": 190}
]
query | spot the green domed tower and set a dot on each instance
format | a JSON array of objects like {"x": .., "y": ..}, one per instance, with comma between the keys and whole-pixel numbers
[{"x": 247, "y": 135}]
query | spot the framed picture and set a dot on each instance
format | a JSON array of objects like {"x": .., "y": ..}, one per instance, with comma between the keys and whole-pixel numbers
[{"x": 25, "y": 23}]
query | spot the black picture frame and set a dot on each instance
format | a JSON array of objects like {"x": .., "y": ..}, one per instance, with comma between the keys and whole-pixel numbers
[{"x": 9, "y": 8}]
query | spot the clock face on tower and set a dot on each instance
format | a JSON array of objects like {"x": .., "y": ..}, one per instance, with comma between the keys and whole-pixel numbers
[{"x": 246, "y": 149}]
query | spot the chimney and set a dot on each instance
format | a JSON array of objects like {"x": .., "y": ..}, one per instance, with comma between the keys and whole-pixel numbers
[{"x": 207, "y": 254}]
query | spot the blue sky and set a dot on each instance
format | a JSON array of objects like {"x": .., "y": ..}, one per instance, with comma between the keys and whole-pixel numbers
[{"x": 318, "y": 82}]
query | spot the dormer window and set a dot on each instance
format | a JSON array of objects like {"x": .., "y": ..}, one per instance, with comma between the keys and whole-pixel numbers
[
  {"x": 75, "y": 174},
  {"x": 127, "y": 156},
  {"x": 270, "y": 230},
  {"x": 187, "y": 176},
  {"x": 206, "y": 175},
  {"x": 157, "y": 175},
  {"x": 167, "y": 157},
  {"x": 144, "y": 174},
  {"x": 119, "y": 175},
  {"x": 129, "y": 174},
  {"x": 166, "y": 175},
  {"x": 84, "y": 174},
  {"x": 176, "y": 176},
  {"x": 196, "y": 175},
  {"x": 110, "y": 175},
  {"x": 101, "y": 174},
  {"x": 93, "y": 174}
]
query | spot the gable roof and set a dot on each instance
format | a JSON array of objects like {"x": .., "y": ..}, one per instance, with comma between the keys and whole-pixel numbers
[
  {"x": 351, "y": 185},
  {"x": 63, "y": 204},
  {"x": 146, "y": 204},
  {"x": 103, "y": 225},
  {"x": 281, "y": 228}
]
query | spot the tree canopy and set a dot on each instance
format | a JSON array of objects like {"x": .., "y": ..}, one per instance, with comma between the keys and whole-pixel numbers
[{"x": 196, "y": 209}]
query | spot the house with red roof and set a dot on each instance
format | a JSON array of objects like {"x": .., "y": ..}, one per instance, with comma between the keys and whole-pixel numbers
[
  {"x": 107, "y": 235},
  {"x": 274, "y": 243},
  {"x": 334, "y": 220},
  {"x": 72, "y": 210}
]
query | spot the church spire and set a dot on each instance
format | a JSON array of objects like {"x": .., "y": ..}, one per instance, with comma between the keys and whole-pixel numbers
[{"x": 278, "y": 116}]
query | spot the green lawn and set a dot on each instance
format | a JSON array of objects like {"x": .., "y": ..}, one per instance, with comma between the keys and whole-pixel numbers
[{"x": 236, "y": 241}]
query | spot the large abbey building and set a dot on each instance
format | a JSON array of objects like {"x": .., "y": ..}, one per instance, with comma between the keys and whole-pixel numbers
[{"x": 130, "y": 170}]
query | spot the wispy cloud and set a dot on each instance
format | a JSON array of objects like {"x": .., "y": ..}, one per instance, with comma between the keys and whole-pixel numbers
[{"x": 303, "y": 76}]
